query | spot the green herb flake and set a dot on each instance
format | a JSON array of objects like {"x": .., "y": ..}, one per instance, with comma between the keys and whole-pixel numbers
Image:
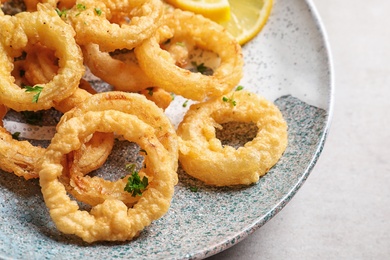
[
  {"x": 16, "y": 135},
  {"x": 200, "y": 67},
  {"x": 182, "y": 44},
  {"x": 229, "y": 100},
  {"x": 185, "y": 103},
  {"x": 134, "y": 184},
  {"x": 194, "y": 188},
  {"x": 61, "y": 13},
  {"x": 150, "y": 91},
  {"x": 239, "y": 88},
  {"x": 130, "y": 167},
  {"x": 98, "y": 11},
  {"x": 35, "y": 89},
  {"x": 81, "y": 7}
]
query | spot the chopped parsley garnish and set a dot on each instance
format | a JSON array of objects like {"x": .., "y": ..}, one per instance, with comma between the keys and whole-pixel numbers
[
  {"x": 185, "y": 103},
  {"x": 34, "y": 89},
  {"x": 98, "y": 11},
  {"x": 239, "y": 88},
  {"x": 130, "y": 167},
  {"x": 229, "y": 100},
  {"x": 150, "y": 91},
  {"x": 134, "y": 184},
  {"x": 194, "y": 188},
  {"x": 182, "y": 44},
  {"x": 61, "y": 13},
  {"x": 201, "y": 68},
  {"x": 16, "y": 135},
  {"x": 81, "y": 7}
]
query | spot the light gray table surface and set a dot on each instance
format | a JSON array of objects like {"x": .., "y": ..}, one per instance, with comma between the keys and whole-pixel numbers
[{"x": 343, "y": 209}]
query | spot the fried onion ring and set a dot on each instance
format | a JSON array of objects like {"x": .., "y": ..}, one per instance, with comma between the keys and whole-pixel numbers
[
  {"x": 46, "y": 27},
  {"x": 92, "y": 190},
  {"x": 203, "y": 156},
  {"x": 110, "y": 220},
  {"x": 93, "y": 153},
  {"x": 16, "y": 156},
  {"x": 76, "y": 98},
  {"x": 41, "y": 68},
  {"x": 95, "y": 190},
  {"x": 123, "y": 74},
  {"x": 19, "y": 157},
  {"x": 98, "y": 27},
  {"x": 135, "y": 104},
  {"x": 159, "y": 66}
]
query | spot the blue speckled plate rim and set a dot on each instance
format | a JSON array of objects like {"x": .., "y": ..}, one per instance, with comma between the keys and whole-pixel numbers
[{"x": 257, "y": 223}]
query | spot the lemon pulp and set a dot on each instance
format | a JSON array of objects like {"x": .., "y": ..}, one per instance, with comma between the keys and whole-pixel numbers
[
  {"x": 216, "y": 10},
  {"x": 247, "y": 18},
  {"x": 244, "y": 19}
]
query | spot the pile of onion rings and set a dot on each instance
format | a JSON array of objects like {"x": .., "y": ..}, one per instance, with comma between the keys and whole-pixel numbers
[{"x": 148, "y": 53}]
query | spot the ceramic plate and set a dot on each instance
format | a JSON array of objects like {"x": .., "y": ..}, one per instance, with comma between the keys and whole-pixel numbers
[{"x": 288, "y": 63}]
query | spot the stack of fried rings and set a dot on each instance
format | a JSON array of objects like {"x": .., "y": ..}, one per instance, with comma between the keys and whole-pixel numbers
[
  {"x": 178, "y": 25},
  {"x": 42, "y": 72},
  {"x": 112, "y": 219},
  {"x": 85, "y": 132},
  {"x": 157, "y": 188},
  {"x": 20, "y": 156}
]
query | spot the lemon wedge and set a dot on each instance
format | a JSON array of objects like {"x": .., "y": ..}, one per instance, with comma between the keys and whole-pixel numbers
[
  {"x": 247, "y": 18},
  {"x": 244, "y": 19},
  {"x": 216, "y": 10}
]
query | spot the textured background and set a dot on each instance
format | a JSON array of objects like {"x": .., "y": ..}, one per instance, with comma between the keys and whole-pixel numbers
[{"x": 342, "y": 211}]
